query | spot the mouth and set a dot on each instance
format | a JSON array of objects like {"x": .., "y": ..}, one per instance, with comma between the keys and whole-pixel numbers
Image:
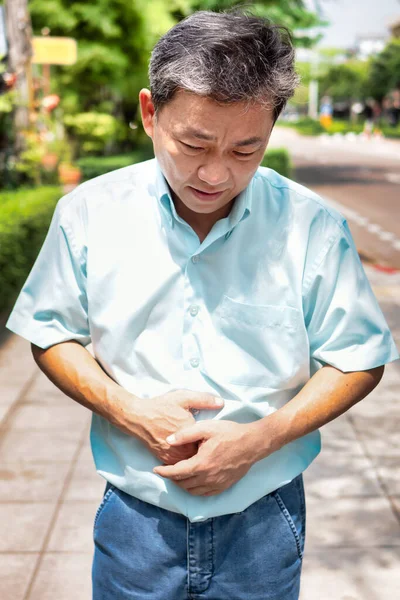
[{"x": 205, "y": 195}]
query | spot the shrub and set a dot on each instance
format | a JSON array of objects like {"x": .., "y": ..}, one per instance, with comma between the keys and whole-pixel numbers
[
  {"x": 93, "y": 132},
  {"x": 24, "y": 221},
  {"x": 93, "y": 166},
  {"x": 279, "y": 160}
]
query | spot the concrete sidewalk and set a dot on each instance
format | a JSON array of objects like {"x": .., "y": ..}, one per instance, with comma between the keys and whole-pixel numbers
[{"x": 49, "y": 490}]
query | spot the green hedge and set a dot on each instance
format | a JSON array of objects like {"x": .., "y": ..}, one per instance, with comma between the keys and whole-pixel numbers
[
  {"x": 93, "y": 166},
  {"x": 25, "y": 216},
  {"x": 308, "y": 126},
  {"x": 279, "y": 160}
]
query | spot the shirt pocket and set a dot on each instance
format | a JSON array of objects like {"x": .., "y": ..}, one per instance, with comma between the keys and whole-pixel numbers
[{"x": 255, "y": 345}]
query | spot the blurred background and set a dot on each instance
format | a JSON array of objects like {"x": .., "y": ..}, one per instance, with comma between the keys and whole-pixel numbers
[{"x": 70, "y": 73}]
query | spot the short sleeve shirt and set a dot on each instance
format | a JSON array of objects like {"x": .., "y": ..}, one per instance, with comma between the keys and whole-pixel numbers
[{"x": 274, "y": 292}]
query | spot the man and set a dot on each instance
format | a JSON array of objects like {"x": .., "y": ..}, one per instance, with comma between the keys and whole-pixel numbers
[{"x": 227, "y": 308}]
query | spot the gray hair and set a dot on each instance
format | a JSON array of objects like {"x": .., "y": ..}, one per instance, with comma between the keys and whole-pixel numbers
[{"x": 228, "y": 57}]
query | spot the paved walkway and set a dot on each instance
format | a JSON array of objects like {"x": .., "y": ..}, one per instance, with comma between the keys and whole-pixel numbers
[{"x": 49, "y": 490}]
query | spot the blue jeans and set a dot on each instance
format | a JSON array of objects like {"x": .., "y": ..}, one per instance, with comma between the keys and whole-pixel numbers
[{"x": 143, "y": 552}]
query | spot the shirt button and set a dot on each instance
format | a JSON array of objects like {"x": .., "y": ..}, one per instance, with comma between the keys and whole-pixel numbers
[
  {"x": 194, "y": 362},
  {"x": 194, "y": 310},
  {"x": 195, "y": 258}
]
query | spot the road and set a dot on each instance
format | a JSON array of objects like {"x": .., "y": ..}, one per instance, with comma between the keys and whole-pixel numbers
[{"x": 361, "y": 178}]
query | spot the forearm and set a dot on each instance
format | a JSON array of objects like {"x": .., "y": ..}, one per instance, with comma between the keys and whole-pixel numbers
[
  {"x": 328, "y": 394},
  {"x": 76, "y": 373}
]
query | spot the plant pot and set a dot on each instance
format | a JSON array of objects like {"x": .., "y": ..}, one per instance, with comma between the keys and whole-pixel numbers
[
  {"x": 69, "y": 174},
  {"x": 49, "y": 161}
]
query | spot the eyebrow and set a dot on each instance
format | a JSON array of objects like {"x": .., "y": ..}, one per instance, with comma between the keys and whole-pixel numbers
[{"x": 210, "y": 138}]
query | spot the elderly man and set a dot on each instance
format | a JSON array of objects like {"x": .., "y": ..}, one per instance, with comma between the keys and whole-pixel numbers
[{"x": 230, "y": 318}]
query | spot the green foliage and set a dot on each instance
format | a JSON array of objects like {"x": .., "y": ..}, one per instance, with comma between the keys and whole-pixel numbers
[
  {"x": 29, "y": 161},
  {"x": 391, "y": 132},
  {"x": 115, "y": 38},
  {"x": 308, "y": 126},
  {"x": 305, "y": 126},
  {"x": 93, "y": 131},
  {"x": 7, "y": 101},
  {"x": 279, "y": 160},
  {"x": 345, "y": 81},
  {"x": 114, "y": 42},
  {"x": 384, "y": 75},
  {"x": 93, "y": 166},
  {"x": 24, "y": 220},
  {"x": 344, "y": 127}
]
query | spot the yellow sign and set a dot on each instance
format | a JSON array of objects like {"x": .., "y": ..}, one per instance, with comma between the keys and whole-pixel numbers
[{"x": 54, "y": 51}]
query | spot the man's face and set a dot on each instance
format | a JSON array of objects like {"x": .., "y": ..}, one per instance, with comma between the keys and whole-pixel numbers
[{"x": 207, "y": 151}]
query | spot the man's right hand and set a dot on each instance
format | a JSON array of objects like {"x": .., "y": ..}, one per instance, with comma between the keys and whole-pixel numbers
[{"x": 154, "y": 419}]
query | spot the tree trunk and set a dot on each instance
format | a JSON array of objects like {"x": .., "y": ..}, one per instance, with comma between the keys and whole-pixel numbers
[{"x": 19, "y": 34}]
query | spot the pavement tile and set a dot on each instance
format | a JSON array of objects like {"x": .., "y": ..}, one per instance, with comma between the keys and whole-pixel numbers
[
  {"x": 342, "y": 574},
  {"x": 16, "y": 361},
  {"x": 44, "y": 391},
  {"x": 4, "y": 408},
  {"x": 55, "y": 418},
  {"x": 377, "y": 426},
  {"x": 396, "y": 505},
  {"x": 340, "y": 437},
  {"x": 86, "y": 484},
  {"x": 376, "y": 407},
  {"x": 387, "y": 445},
  {"x": 388, "y": 469},
  {"x": 73, "y": 529},
  {"x": 63, "y": 576},
  {"x": 351, "y": 522},
  {"x": 335, "y": 475},
  {"x": 24, "y": 526},
  {"x": 21, "y": 482},
  {"x": 15, "y": 573},
  {"x": 38, "y": 446}
]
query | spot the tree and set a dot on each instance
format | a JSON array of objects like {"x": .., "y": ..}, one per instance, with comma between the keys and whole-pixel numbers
[
  {"x": 384, "y": 75},
  {"x": 18, "y": 27},
  {"x": 345, "y": 81}
]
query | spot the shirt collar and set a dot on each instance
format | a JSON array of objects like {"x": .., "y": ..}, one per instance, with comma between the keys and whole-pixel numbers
[{"x": 240, "y": 209}]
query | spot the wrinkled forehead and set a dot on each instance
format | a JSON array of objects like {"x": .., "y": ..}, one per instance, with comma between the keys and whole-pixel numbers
[{"x": 207, "y": 119}]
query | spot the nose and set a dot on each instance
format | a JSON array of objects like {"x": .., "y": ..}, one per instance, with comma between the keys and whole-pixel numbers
[{"x": 214, "y": 173}]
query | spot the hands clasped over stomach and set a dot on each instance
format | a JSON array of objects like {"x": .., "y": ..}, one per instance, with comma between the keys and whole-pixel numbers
[
  {"x": 191, "y": 451},
  {"x": 164, "y": 415}
]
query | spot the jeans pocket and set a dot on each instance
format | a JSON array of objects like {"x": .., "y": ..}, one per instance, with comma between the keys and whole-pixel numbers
[
  {"x": 109, "y": 490},
  {"x": 290, "y": 499}
]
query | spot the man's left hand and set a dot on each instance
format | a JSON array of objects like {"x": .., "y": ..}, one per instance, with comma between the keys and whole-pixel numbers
[{"x": 225, "y": 454}]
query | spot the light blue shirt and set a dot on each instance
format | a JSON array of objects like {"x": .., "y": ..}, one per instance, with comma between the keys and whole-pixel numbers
[{"x": 275, "y": 291}]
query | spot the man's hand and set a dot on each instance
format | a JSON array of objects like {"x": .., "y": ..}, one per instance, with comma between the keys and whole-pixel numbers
[
  {"x": 161, "y": 416},
  {"x": 224, "y": 456}
]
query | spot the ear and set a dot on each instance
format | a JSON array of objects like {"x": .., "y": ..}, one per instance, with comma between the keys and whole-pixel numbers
[{"x": 147, "y": 111}]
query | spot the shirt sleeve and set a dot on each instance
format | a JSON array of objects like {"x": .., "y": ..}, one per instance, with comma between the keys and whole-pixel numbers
[
  {"x": 52, "y": 305},
  {"x": 345, "y": 325}
]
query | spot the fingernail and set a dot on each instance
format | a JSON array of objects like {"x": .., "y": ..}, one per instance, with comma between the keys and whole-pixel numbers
[
  {"x": 219, "y": 401},
  {"x": 170, "y": 439}
]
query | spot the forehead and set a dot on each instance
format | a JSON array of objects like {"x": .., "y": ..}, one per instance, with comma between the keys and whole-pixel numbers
[{"x": 188, "y": 112}]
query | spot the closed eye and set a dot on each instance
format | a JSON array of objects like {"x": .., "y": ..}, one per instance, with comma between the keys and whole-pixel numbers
[
  {"x": 192, "y": 147},
  {"x": 244, "y": 153}
]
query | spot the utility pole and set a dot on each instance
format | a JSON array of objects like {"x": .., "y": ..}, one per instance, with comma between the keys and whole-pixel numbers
[{"x": 19, "y": 34}]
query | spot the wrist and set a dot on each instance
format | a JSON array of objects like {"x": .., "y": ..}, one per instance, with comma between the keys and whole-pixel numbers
[
  {"x": 267, "y": 435},
  {"x": 123, "y": 410}
]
